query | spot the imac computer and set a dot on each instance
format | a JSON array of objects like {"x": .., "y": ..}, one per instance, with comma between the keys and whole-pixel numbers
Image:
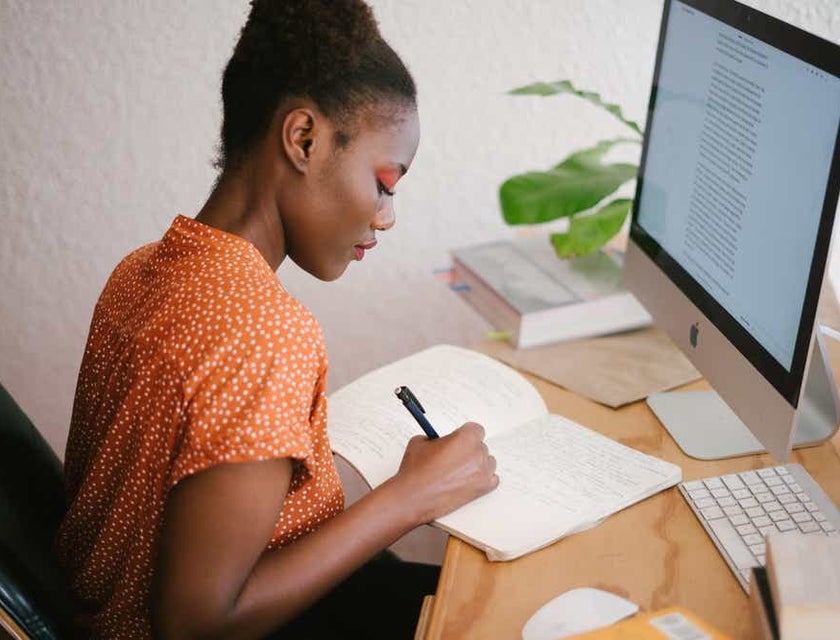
[{"x": 732, "y": 224}]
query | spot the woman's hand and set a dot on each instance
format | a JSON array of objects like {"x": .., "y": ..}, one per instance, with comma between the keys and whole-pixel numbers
[{"x": 442, "y": 474}]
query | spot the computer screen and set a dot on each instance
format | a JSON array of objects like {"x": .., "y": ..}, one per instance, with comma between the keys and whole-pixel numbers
[{"x": 735, "y": 206}]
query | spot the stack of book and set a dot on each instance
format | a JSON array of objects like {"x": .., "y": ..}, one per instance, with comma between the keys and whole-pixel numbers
[
  {"x": 523, "y": 289},
  {"x": 797, "y": 595}
]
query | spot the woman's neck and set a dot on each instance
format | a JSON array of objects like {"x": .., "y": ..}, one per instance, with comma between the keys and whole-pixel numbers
[{"x": 239, "y": 206}]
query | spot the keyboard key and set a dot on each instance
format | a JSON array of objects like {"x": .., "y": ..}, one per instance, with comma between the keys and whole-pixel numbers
[
  {"x": 795, "y": 487},
  {"x": 705, "y": 502},
  {"x": 786, "y": 525},
  {"x": 745, "y": 529},
  {"x": 733, "y": 482},
  {"x": 699, "y": 493},
  {"x": 734, "y": 510},
  {"x": 746, "y": 503},
  {"x": 774, "y": 481},
  {"x": 780, "y": 490},
  {"x": 770, "y": 528},
  {"x": 728, "y": 502},
  {"x": 783, "y": 471},
  {"x": 789, "y": 479},
  {"x": 811, "y": 506},
  {"x": 711, "y": 513},
  {"x": 721, "y": 492},
  {"x": 694, "y": 485},
  {"x": 827, "y": 526},
  {"x": 753, "y": 538},
  {"x": 810, "y": 527},
  {"x": 740, "y": 519},
  {"x": 761, "y": 521},
  {"x": 754, "y": 512},
  {"x": 769, "y": 507},
  {"x": 779, "y": 516},
  {"x": 818, "y": 516},
  {"x": 802, "y": 517},
  {"x": 740, "y": 494},
  {"x": 713, "y": 483},
  {"x": 750, "y": 477},
  {"x": 738, "y": 552},
  {"x": 787, "y": 498},
  {"x": 764, "y": 497},
  {"x": 794, "y": 507},
  {"x": 758, "y": 549},
  {"x": 769, "y": 472}
]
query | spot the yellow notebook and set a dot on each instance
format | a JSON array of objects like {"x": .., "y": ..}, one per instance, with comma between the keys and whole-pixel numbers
[{"x": 673, "y": 623}]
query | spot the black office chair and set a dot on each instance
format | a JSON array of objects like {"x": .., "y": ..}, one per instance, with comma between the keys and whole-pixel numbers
[{"x": 34, "y": 602}]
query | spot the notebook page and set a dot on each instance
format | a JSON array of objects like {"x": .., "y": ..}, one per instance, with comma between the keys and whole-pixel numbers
[
  {"x": 369, "y": 426},
  {"x": 556, "y": 477}
]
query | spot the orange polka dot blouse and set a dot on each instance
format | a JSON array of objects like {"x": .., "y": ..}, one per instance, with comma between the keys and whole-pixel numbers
[{"x": 196, "y": 356}]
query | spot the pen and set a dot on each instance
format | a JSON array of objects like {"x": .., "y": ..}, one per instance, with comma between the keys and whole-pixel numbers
[{"x": 415, "y": 409}]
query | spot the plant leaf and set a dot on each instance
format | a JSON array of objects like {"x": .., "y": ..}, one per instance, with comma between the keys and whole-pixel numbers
[
  {"x": 588, "y": 233},
  {"x": 578, "y": 183},
  {"x": 594, "y": 156},
  {"x": 564, "y": 86}
]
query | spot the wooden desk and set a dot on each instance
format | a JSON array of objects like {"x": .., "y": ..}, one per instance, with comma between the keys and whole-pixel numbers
[{"x": 654, "y": 553}]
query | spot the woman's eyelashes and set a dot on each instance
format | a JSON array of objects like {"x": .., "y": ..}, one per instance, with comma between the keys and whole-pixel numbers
[{"x": 383, "y": 190}]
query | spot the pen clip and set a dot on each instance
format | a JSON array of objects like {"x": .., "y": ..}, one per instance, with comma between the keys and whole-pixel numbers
[{"x": 404, "y": 394}]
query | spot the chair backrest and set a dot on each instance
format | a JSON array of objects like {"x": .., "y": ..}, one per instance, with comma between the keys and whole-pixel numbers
[{"x": 33, "y": 591}]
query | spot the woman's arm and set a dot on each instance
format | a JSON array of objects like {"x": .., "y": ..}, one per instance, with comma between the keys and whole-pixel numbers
[{"x": 213, "y": 577}]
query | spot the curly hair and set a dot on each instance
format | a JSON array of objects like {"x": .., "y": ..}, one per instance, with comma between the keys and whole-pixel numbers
[{"x": 329, "y": 51}]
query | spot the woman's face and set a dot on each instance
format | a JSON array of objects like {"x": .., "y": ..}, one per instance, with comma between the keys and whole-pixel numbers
[{"x": 350, "y": 192}]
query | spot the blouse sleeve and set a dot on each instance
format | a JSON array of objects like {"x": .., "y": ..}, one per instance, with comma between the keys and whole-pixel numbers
[{"x": 250, "y": 399}]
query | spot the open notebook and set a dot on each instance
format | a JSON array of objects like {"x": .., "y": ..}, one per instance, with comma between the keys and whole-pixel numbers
[{"x": 556, "y": 476}]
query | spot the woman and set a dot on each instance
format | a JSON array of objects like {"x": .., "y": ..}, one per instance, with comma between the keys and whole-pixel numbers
[{"x": 204, "y": 500}]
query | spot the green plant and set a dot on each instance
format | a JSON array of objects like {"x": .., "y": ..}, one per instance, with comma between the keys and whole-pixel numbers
[{"x": 575, "y": 187}]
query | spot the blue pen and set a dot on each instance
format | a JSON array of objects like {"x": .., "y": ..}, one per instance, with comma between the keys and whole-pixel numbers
[{"x": 415, "y": 409}]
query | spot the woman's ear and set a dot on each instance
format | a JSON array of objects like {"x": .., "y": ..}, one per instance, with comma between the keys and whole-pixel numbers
[{"x": 299, "y": 137}]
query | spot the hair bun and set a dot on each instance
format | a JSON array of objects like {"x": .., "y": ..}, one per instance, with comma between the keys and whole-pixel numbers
[
  {"x": 328, "y": 51},
  {"x": 319, "y": 37}
]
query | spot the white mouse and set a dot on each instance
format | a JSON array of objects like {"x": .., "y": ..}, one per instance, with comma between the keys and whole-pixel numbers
[{"x": 576, "y": 611}]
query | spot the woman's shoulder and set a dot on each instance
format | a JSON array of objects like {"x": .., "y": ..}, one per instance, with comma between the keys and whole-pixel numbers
[{"x": 247, "y": 303}]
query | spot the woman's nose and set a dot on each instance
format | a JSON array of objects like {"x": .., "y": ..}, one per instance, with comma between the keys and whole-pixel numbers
[{"x": 385, "y": 217}]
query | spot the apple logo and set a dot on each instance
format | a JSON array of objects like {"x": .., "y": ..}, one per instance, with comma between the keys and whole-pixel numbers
[{"x": 694, "y": 333}]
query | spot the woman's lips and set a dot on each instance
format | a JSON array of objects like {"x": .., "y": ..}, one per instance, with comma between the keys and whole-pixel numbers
[{"x": 361, "y": 248}]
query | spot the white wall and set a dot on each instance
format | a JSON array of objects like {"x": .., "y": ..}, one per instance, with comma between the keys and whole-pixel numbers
[{"x": 109, "y": 112}]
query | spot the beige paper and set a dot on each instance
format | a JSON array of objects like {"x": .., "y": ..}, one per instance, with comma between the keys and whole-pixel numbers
[
  {"x": 622, "y": 368},
  {"x": 613, "y": 370}
]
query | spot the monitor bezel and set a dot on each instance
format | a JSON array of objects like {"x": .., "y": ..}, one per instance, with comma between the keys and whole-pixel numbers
[{"x": 823, "y": 55}]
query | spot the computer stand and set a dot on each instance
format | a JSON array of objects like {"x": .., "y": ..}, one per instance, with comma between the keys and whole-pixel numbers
[{"x": 704, "y": 427}]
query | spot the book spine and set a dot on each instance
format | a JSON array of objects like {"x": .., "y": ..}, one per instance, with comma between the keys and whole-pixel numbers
[{"x": 486, "y": 301}]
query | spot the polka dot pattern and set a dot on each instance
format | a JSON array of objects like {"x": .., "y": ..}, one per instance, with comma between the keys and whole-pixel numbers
[{"x": 196, "y": 356}]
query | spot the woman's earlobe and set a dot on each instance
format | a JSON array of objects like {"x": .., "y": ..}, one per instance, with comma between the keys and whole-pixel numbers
[{"x": 302, "y": 159}]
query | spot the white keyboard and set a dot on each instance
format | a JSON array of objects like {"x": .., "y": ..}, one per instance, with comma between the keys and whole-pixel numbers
[{"x": 740, "y": 509}]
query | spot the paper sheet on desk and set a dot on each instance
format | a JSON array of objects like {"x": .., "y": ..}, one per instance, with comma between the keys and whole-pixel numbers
[{"x": 613, "y": 370}]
